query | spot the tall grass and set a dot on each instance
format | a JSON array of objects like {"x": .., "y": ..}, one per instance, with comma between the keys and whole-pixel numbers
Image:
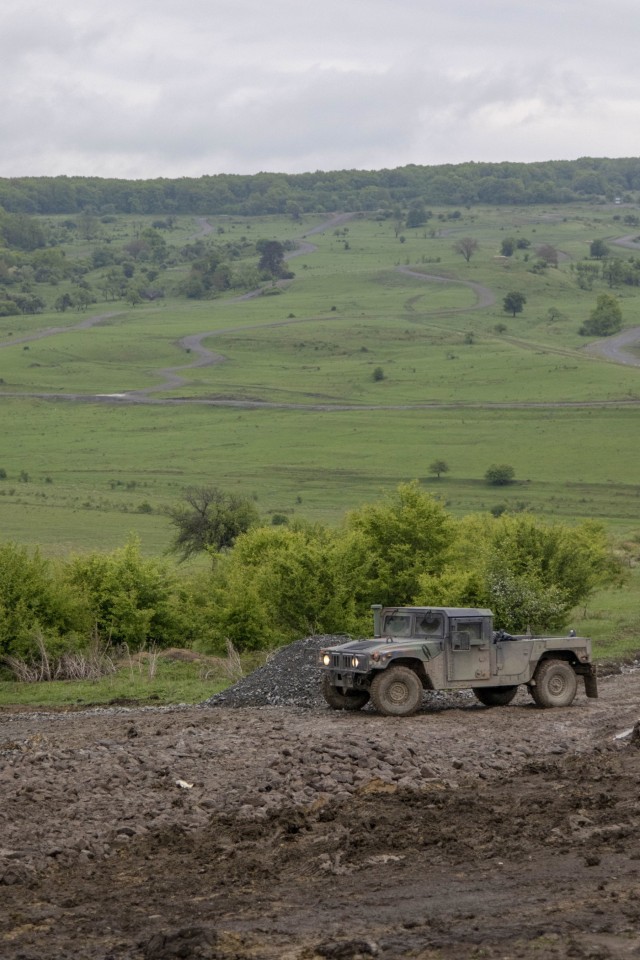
[
  {"x": 91, "y": 664},
  {"x": 169, "y": 677}
]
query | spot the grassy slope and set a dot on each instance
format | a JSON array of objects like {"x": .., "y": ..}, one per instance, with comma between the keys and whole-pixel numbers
[{"x": 346, "y": 312}]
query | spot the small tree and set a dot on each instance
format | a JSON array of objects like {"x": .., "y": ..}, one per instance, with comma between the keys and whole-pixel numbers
[
  {"x": 548, "y": 253},
  {"x": 500, "y": 475},
  {"x": 210, "y": 519},
  {"x": 378, "y": 374},
  {"x": 507, "y": 247},
  {"x": 605, "y": 319},
  {"x": 598, "y": 249},
  {"x": 554, "y": 314},
  {"x": 417, "y": 215},
  {"x": 63, "y": 302},
  {"x": 271, "y": 258},
  {"x": 389, "y": 544},
  {"x": 466, "y": 247},
  {"x": 514, "y": 302},
  {"x": 614, "y": 272},
  {"x": 438, "y": 467}
]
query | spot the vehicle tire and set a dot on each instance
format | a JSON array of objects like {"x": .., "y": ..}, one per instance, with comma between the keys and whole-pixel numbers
[
  {"x": 495, "y": 696},
  {"x": 555, "y": 684},
  {"x": 343, "y": 700},
  {"x": 396, "y": 692}
]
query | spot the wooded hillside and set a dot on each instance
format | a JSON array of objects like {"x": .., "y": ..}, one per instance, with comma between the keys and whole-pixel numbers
[{"x": 554, "y": 181}]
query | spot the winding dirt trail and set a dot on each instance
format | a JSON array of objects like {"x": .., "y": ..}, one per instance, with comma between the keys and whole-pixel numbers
[
  {"x": 614, "y": 349},
  {"x": 485, "y": 297}
]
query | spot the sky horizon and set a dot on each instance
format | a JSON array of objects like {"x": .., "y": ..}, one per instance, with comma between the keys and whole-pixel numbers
[{"x": 142, "y": 89}]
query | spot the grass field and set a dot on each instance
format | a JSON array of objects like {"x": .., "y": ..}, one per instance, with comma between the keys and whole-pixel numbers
[
  {"x": 83, "y": 474},
  {"x": 152, "y": 681}
]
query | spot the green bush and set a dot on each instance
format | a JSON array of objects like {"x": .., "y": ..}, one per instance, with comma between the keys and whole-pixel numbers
[
  {"x": 34, "y": 601},
  {"x": 605, "y": 319},
  {"x": 277, "y": 584},
  {"x": 132, "y": 600},
  {"x": 530, "y": 573},
  {"x": 394, "y": 541},
  {"x": 500, "y": 475},
  {"x": 280, "y": 582}
]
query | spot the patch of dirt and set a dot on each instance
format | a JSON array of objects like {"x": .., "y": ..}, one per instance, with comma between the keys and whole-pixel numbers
[{"x": 301, "y": 833}]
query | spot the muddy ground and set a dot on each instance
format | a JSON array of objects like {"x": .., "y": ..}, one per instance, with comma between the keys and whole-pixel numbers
[{"x": 284, "y": 832}]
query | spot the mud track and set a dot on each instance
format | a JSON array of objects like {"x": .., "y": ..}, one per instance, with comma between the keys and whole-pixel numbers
[{"x": 276, "y": 832}]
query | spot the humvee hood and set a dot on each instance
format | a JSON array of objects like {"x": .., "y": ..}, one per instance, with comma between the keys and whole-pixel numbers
[{"x": 360, "y": 645}]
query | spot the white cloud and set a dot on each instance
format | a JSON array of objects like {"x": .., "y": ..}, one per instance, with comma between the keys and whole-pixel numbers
[{"x": 144, "y": 88}]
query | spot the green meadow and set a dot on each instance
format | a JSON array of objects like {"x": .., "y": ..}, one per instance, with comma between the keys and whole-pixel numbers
[{"x": 384, "y": 352}]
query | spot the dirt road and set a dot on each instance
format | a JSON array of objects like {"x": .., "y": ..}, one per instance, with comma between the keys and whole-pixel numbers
[
  {"x": 282, "y": 832},
  {"x": 617, "y": 347}
]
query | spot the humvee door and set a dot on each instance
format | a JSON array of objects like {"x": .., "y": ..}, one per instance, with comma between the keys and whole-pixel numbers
[{"x": 468, "y": 650}]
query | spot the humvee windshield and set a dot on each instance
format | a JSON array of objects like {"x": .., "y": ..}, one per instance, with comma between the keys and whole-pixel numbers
[
  {"x": 397, "y": 625},
  {"x": 429, "y": 625},
  {"x": 425, "y": 625}
]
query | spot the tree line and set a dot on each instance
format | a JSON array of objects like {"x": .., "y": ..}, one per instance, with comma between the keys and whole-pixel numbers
[
  {"x": 553, "y": 181},
  {"x": 269, "y": 585}
]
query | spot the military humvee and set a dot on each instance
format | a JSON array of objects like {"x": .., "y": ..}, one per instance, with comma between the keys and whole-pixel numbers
[{"x": 436, "y": 648}]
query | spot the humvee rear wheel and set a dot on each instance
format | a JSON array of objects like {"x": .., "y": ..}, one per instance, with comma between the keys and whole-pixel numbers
[
  {"x": 495, "y": 696},
  {"x": 555, "y": 684},
  {"x": 343, "y": 699},
  {"x": 396, "y": 692}
]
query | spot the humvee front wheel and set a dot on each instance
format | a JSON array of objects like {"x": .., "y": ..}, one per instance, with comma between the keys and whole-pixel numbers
[
  {"x": 555, "y": 684},
  {"x": 396, "y": 692},
  {"x": 343, "y": 700},
  {"x": 495, "y": 696}
]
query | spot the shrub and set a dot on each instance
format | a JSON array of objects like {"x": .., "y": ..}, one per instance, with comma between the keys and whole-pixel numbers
[
  {"x": 500, "y": 474},
  {"x": 530, "y": 573},
  {"x": 34, "y": 602},
  {"x": 131, "y": 599},
  {"x": 604, "y": 319}
]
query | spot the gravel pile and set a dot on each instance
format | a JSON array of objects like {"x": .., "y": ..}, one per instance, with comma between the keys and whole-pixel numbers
[{"x": 290, "y": 678}]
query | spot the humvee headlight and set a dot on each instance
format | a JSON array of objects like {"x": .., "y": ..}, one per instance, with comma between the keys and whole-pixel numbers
[
  {"x": 326, "y": 659},
  {"x": 355, "y": 662}
]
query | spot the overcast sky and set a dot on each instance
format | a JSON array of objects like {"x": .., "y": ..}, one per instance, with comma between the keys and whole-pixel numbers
[{"x": 149, "y": 88}]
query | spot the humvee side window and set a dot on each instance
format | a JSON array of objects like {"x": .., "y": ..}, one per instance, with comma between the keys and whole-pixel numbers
[
  {"x": 429, "y": 625},
  {"x": 465, "y": 634},
  {"x": 397, "y": 625},
  {"x": 474, "y": 630}
]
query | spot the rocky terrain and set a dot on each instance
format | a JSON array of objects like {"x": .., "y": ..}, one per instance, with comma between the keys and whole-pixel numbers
[{"x": 264, "y": 825}]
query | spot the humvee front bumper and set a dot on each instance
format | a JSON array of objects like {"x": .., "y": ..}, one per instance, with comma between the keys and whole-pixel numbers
[{"x": 344, "y": 669}]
